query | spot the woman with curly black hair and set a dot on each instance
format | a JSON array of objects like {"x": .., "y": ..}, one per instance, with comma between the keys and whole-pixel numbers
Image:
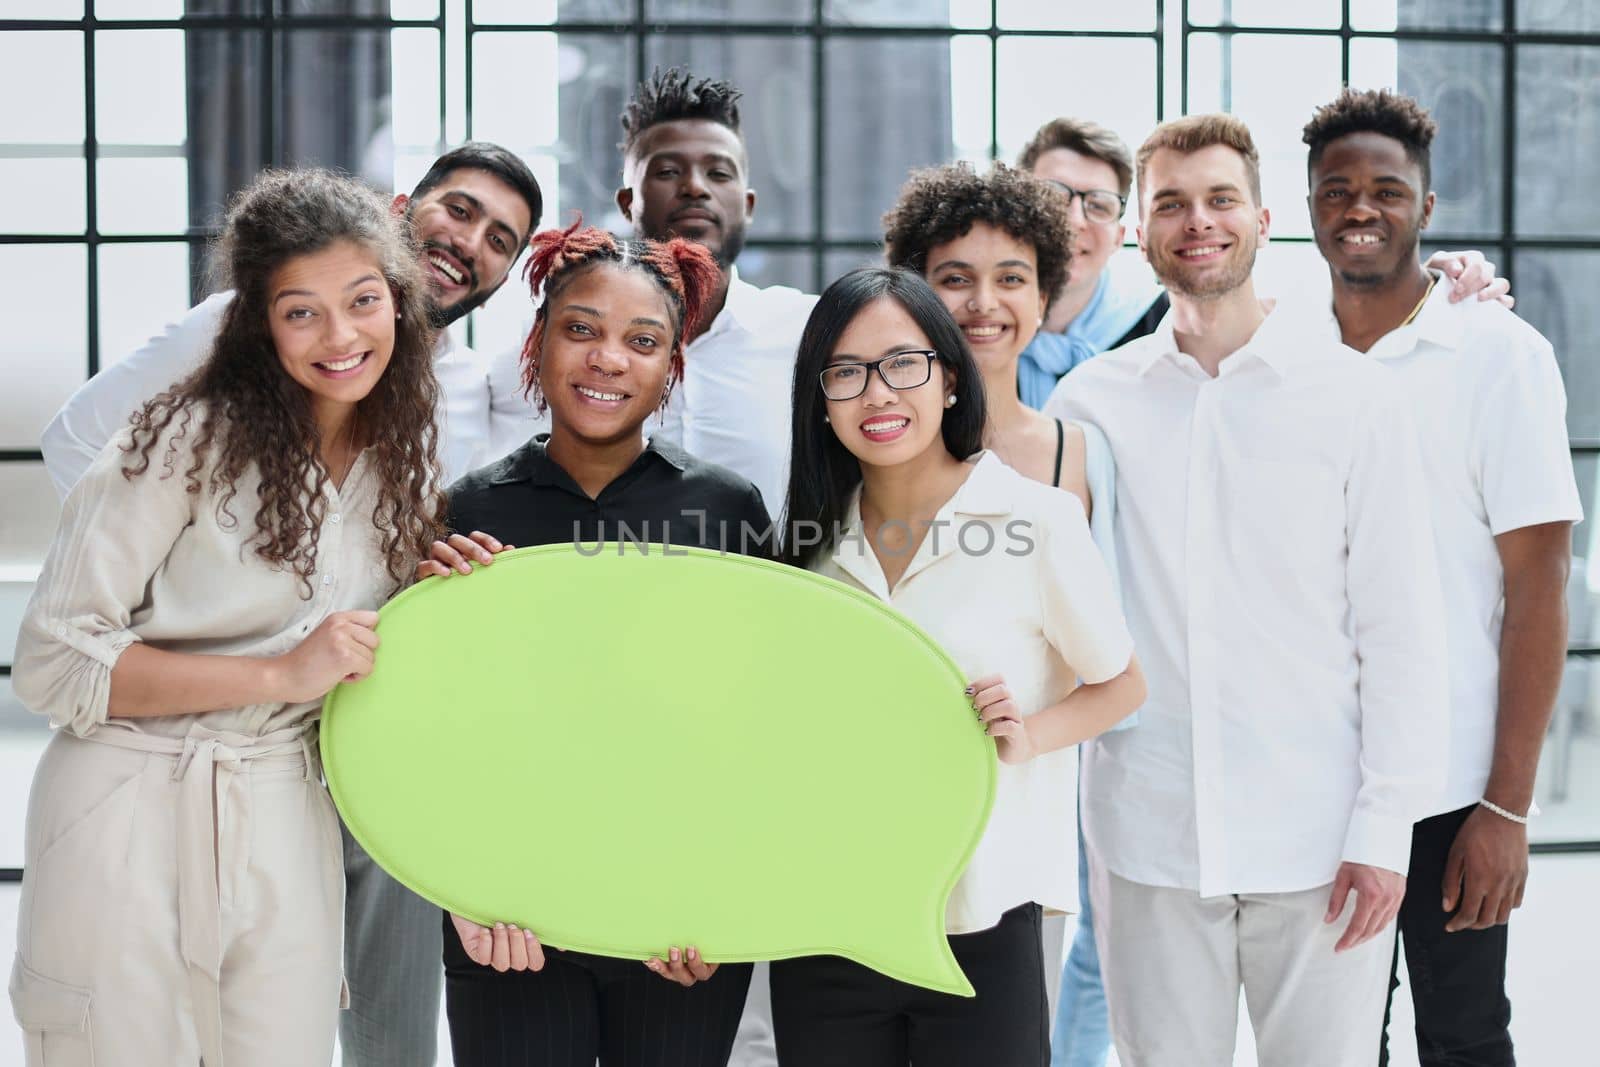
[{"x": 214, "y": 575}]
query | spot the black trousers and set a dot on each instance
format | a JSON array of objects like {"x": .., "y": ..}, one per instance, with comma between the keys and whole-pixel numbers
[
  {"x": 831, "y": 1012},
  {"x": 1458, "y": 981},
  {"x": 581, "y": 1008}
]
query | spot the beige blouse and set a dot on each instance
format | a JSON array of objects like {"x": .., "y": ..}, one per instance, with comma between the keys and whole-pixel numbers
[{"x": 145, "y": 560}]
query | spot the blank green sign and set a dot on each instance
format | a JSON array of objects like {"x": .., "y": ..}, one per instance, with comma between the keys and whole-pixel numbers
[{"x": 627, "y": 751}]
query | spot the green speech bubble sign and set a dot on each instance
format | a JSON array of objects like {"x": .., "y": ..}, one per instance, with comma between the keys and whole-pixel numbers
[{"x": 632, "y": 750}]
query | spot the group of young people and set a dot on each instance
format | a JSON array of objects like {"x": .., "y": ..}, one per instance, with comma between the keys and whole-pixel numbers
[{"x": 1335, "y": 529}]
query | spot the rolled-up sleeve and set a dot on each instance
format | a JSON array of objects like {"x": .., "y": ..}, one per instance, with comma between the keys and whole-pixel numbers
[
  {"x": 114, "y": 535},
  {"x": 1079, "y": 606},
  {"x": 1399, "y": 624}
]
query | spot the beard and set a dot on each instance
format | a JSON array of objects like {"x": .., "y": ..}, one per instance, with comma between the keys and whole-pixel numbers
[
  {"x": 439, "y": 317},
  {"x": 1173, "y": 272},
  {"x": 732, "y": 245},
  {"x": 1376, "y": 276}
]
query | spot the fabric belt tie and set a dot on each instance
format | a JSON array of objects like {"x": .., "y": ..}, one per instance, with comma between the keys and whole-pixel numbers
[{"x": 205, "y": 763}]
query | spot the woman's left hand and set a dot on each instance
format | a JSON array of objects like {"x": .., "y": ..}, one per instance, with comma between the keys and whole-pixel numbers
[
  {"x": 686, "y": 967},
  {"x": 1002, "y": 719}
]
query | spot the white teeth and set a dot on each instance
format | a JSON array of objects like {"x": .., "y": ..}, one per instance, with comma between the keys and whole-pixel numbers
[
  {"x": 883, "y": 427},
  {"x": 343, "y": 364},
  {"x": 597, "y": 395},
  {"x": 1208, "y": 250},
  {"x": 984, "y": 331},
  {"x": 1361, "y": 238},
  {"x": 446, "y": 269}
]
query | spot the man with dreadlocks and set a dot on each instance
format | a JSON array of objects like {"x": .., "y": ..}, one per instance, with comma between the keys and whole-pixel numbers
[
  {"x": 470, "y": 217},
  {"x": 1487, "y": 395},
  {"x": 686, "y": 173}
]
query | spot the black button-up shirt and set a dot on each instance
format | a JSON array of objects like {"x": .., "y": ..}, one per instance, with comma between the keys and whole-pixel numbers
[{"x": 665, "y": 497}]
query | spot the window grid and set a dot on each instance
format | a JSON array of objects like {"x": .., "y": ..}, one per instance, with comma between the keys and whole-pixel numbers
[{"x": 273, "y": 20}]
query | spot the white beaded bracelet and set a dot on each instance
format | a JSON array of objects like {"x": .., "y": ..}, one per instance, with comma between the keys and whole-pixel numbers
[{"x": 1504, "y": 814}]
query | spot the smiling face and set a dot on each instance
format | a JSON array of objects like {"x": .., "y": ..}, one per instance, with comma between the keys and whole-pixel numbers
[
  {"x": 469, "y": 229},
  {"x": 885, "y": 427},
  {"x": 686, "y": 178},
  {"x": 1094, "y": 242},
  {"x": 1200, "y": 225},
  {"x": 331, "y": 316},
  {"x": 1368, "y": 208},
  {"x": 607, "y": 353},
  {"x": 990, "y": 282}
]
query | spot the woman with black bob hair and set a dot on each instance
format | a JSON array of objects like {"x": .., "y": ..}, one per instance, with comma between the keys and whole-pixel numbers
[{"x": 891, "y": 492}]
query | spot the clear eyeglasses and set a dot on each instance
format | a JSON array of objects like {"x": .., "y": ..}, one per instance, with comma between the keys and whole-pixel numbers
[
  {"x": 899, "y": 370},
  {"x": 1099, "y": 205}
]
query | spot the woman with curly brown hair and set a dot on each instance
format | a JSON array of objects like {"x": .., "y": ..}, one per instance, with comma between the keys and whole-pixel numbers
[{"x": 214, "y": 574}]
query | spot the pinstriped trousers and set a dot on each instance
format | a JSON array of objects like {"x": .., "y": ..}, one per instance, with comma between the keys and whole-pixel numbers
[{"x": 392, "y": 965}]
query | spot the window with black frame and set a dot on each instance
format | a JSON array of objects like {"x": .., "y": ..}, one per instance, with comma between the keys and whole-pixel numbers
[{"x": 132, "y": 121}]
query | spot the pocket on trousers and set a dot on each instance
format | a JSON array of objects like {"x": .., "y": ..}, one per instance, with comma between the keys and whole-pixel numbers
[{"x": 54, "y": 1017}]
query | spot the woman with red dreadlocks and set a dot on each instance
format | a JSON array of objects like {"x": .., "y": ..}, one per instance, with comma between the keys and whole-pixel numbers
[{"x": 604, "y": 353}]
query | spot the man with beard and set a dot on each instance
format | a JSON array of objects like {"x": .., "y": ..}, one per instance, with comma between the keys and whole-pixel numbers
[
  {"x": 1489, "y": 401},
  {"x": 687, "y": 174},
  {"x": 471, "y": 215},
  {"x": 1279, "y": 577}
]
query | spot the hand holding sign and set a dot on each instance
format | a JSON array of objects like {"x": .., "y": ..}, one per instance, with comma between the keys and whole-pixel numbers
[{"x": 828, "y": 777}]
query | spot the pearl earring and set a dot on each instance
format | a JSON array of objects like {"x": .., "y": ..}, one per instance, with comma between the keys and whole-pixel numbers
[
  {"x": 825, "y": 418},
  {"x": 950, "y": 401}
]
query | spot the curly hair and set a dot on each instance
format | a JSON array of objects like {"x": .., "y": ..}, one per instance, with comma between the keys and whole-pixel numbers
[
  {"x": 940, "y": 204},
  {"x": 1377, "y": 111},
  {"x": 259, "y": 421},
  {"x": 685, "y": 271},
  {"x": 673, "y": 94}
]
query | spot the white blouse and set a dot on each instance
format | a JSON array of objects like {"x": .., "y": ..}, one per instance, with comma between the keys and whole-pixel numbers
[
  {"x": 142, "y": 559},
  {"x": 1008, "y": 582}
]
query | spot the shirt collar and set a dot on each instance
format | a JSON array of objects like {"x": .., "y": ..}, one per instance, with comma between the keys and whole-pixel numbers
[
  {"x": 532, "y": 463},
  {"x": 1438, "y": 323},
  {"x": 1277, "y": 342},
  {"x": 990, "y": 491},
  {"x": 738, "y": 309}
]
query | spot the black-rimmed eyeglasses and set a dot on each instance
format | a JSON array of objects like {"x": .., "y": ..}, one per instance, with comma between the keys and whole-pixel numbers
[
  {"x": 1099, "y": 205},
  {"x": 901, "y": 370}
]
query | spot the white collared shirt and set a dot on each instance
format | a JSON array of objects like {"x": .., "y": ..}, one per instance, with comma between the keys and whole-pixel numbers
[
  {"x": 1008, "y": 582},
  {"x": 1279, "y": 577},
  {"x": 1491, "y": 413},
  {"x": 104, "y": 404}
]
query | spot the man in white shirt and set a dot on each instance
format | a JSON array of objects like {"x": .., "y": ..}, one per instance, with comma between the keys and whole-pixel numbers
[
  {"x": 1279, "y": 577},
  {"x": 471, "y": 214},
  {"x": 686, "y": 174},
  {"x": 1490, "y": 405}
]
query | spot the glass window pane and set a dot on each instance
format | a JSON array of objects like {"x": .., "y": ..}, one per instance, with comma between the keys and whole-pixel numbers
[
  {"x": 971, "y": 90},
  {"x": 1558, "y": 107},
  {"x": 1032, "y": 15},
  {"x": 42, "y": 195},
  {"x": 50, "y": 9},
  {"x": 1555, "y": 293},
  {"x": 143, "y": 195},
  {"x": 1111, "y": 80},
  {"x": 142, "y": 288},
  {"x": 795, "y": 268},
  {"x": 225, "y": 115},
  {"x": 537, "y": 12},
  {"x": 734, "y": 10},
  {"x": 1582, "y": 16},
  {"x": 962, "y": 14},
  {"x": 572, "y": 146},
  {"x": 777, "y": 113},
  {"x": 1462, "y": 85},
  {"x": 1568, "y": 785},
  {"x": 1427, "y": 14},
  {"x": 414, "y": 9},
  {"x": 346, "y": 124},
  {"x": 888, "y": 112},
  {"x": 43, "y": 358},
  {"x": 841, "y": 261},
  {"x": 27, "y": 525},
  {"x": 23, "y": 736},
  {"x": 139, "y": 87},
  {"x": 1273, "y": 83},
  {"x": 1313, "y": 13},
  {"x": 44, "y": 68},
  {"x": 414, "y": 91},
  {"x": 162, "y": 9}
]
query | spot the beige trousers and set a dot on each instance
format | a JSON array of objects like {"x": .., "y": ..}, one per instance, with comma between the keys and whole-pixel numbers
[
  {"x": 182, "y": 903},
  {"x": 1173, "y": 963}
]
